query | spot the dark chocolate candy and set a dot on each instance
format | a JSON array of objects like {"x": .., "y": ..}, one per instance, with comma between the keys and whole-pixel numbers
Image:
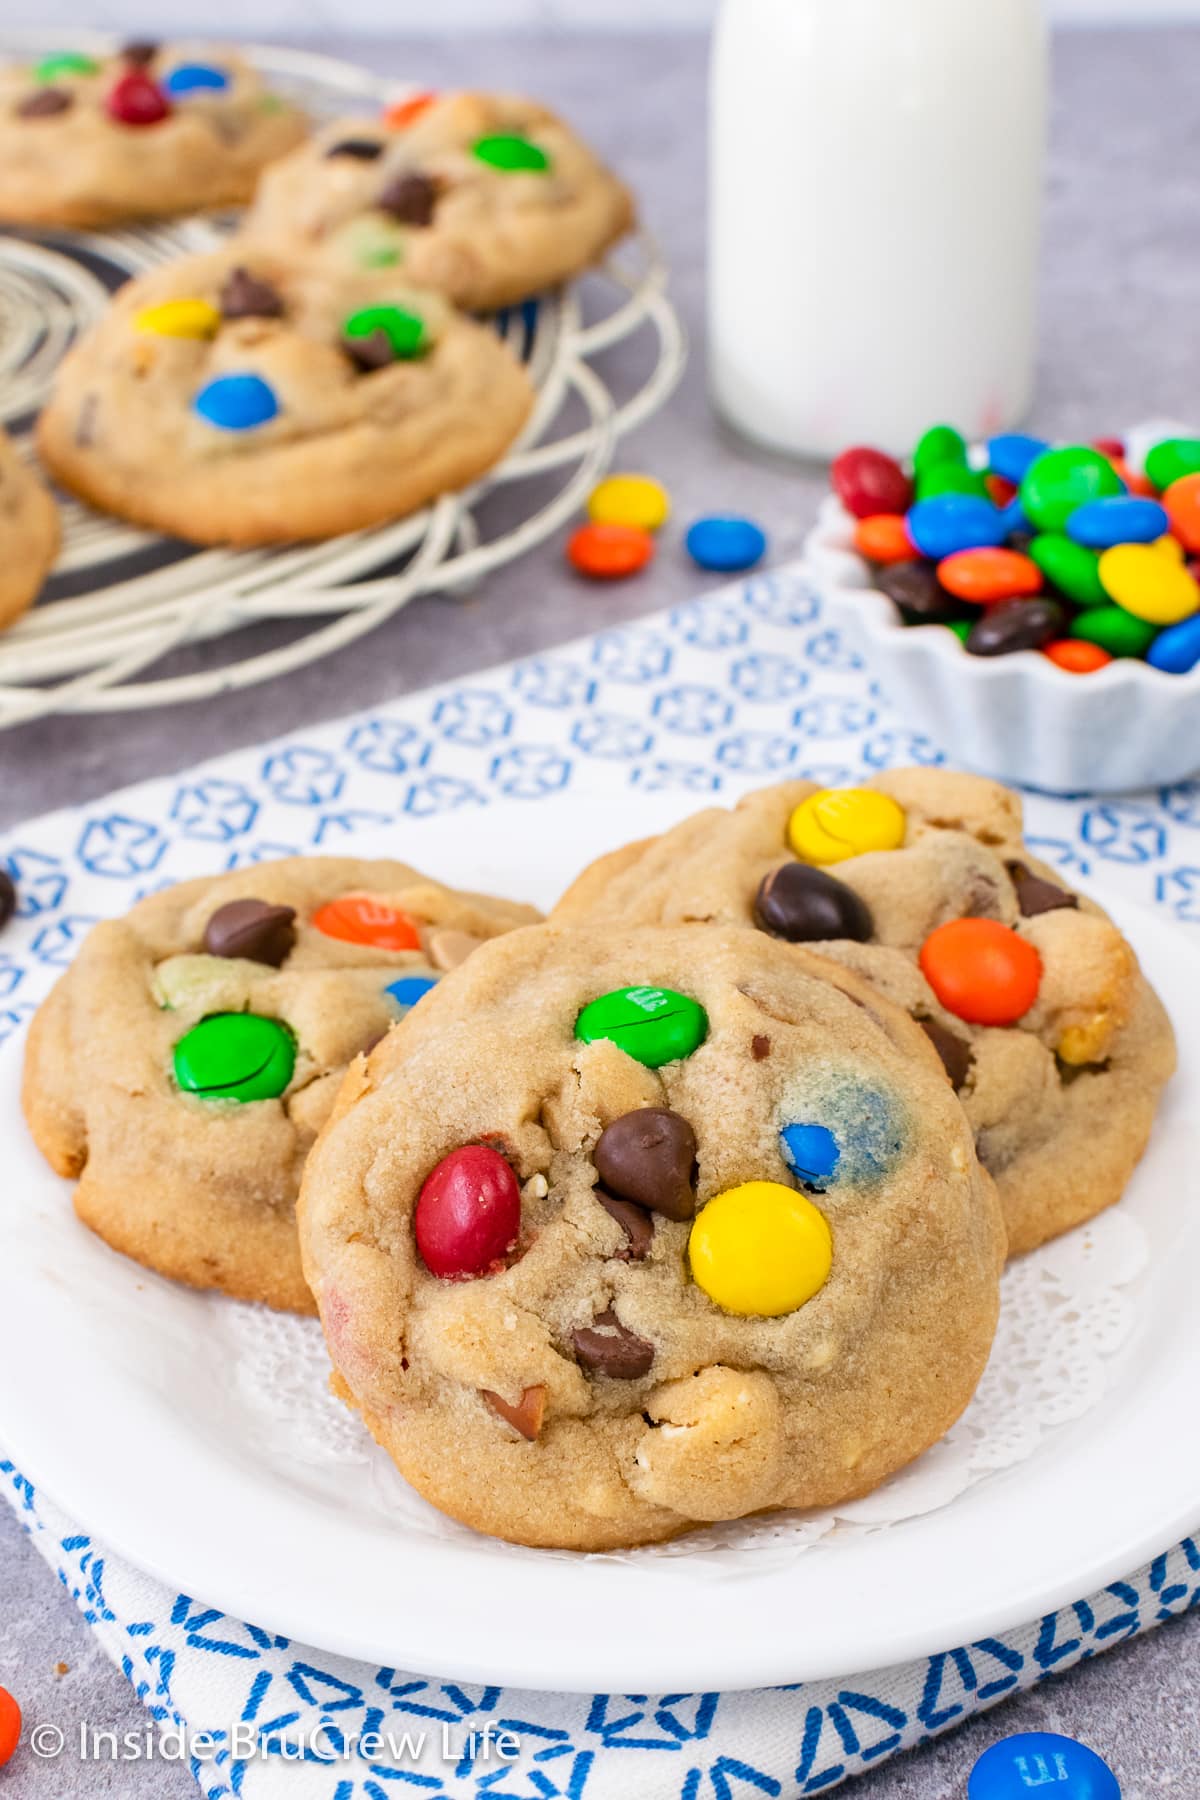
[
  {"x": 247, "y": 296},
  {"x": 805, "y": 905},
  {"x": 361, "y": 149},
  {"x": 252, "y": 929},
  {"x": 410, "y": 198},
  {"x": 954, "y": 1051},
  {"x": 8, "y": 897},
  {"x": 1016, "y": 625},
  {"x": 1037, "y": 895},
  {"x": 649, "y": 1156},
  {"x": 606, "y": 1347},
  {"x": 916, "y": 590},
  {"x": 46, "y": 103}
]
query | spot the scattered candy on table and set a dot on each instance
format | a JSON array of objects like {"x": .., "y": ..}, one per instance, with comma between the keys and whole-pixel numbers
[
  {"x": 468, "y": 1214},
  {"x": 636, "y": 500},
  {"x": 609, "y": 552},
  {"x": 235, "y": 1056},
  {"x": 1033, "y": 1760},
  {"x": 1021, "y": 545},
  {"x": 726, "y": 543}
]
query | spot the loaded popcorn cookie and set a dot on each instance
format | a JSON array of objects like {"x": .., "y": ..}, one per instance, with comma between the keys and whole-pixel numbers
[
  {"x": 91, "y": 140},
  {"x": 230, "y": 398},
  {"x": 29, "y": 534},
  {"x": 485, "y": 197},
  {"x": 622, "y": 1232},
  {"x": 921, "y": 882},
  {"x": 183, "y": 1065}
]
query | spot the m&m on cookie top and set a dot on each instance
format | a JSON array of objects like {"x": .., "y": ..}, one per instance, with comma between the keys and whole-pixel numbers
[
  {"x": 367, "y": 920},
  {"x": 837, "y": 823},
  {"x": 235, "y": 1056},
  {"x": 653, "y": 1025}
]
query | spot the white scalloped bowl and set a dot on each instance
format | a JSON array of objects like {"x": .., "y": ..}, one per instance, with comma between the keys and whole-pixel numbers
[{"x": 1020, "y": 717}]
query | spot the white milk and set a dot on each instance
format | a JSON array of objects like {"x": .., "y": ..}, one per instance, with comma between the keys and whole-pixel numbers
[{"x": 876, "y": 170}]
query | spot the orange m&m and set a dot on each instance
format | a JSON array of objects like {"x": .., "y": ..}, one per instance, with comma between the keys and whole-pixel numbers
[
  {"x": 609, "y": 552},
  {"x": 883, "y": 538},
  {"x": 981, "y": 971},
  {"x": 364, "y": 919},
  {"x": 1182, "y": 501},
  {"x": 987, "y": 575},
  {"x": 404, "y": 113},
  {"x": 1077, "y": 656}
]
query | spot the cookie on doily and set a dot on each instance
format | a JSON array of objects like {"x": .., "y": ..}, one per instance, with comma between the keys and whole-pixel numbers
[
  {"x": 485, "y": 197},
  {"x": 92, "y": 140},
  {"x": 921, "y": 882},
  {"x": 238, "y": 398},
  {"x": 183, "y": 1065},
  {"x": 29, "y": 533},
  {"x": 626, "y": 1231}
]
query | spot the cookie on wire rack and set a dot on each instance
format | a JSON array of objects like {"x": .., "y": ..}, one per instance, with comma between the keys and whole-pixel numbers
[
  {"x": 239, "y": 397},
  {"x": 90, "y": 140},
  {"x": 29, "y": 533},
  {"x": 487, "y": 198}
]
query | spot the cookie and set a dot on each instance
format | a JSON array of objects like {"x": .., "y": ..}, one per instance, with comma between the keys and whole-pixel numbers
[
  {"x": 29, "y": 534},
  {"x": 239, "y": 401},
  {"x": 921, "y": 882},
  {"x": 90, "y": 140},
  {"x": 183, "y": 1065},
  {"x": 626, "y": 1231},
  {"x": 485, "y": 197}
]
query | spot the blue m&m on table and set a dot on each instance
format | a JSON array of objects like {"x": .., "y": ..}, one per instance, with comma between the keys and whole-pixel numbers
[
  {"x": 726, "y": 543},
  {"x": 236, "y": 402},
  {"x": 1043, "y": 1764}
]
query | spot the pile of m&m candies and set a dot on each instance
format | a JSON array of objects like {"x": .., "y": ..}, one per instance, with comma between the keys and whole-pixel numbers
[
  {"x": 1064, "y": 550},
  {"x": 625, "y": 512}
]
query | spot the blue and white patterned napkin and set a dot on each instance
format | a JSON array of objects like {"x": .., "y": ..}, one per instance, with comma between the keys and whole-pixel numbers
[{"x": 745, "y": 686}]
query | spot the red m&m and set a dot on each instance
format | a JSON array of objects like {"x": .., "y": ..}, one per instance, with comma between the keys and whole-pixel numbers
[
  {"x": 981, "y": 971},
  {"x": 137, "y": 100},
  {"x": 468, "y": 1214},
  {"x": 364, "y": 919}
]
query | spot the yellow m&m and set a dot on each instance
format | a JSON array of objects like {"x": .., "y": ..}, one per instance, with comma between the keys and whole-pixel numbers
[
  {"x": 1148, "y": 583},
  {"x": 180, "y": 319},
  {"x": 761, "y": 1248},
  {"x": 840, "y": 822},
  {"x": 629, "y": 500}
]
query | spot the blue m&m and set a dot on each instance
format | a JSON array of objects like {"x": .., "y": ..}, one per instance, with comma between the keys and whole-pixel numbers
[
  {"x": 1041, "y": 1762},
  {"x": 236, "y": 402},
  {"x": 410, "y": 988},
  {"x": 1118, "y": 519},
  {"x": 195, "y": 78},
  {"x": 1177, "y": 649},
  {"x": 951, "y": 522},
  {"x": 1011, "y": 453},
  {"x": 726, "y": 543},
  {"x": 811, "y": 1152}
]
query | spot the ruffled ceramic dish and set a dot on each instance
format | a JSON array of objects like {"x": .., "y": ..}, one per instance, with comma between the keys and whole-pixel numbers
[{"x": 1019, "y": 718}]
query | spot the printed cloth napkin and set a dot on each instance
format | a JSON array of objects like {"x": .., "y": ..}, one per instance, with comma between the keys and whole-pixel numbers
[{"x": 742, "y": 687}]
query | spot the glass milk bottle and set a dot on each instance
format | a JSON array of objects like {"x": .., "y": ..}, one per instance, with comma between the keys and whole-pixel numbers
[{"x": 876, "y": 169}]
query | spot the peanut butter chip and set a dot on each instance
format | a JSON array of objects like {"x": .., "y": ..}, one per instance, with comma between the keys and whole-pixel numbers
[{"x": 449, "y": 948}]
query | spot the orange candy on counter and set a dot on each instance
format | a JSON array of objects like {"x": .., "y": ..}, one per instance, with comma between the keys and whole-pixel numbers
[
  {"x": 609, "y": 552},
  {"x": 883, "y": 538},
  {"x": 365, "y": 919},
  {"x": 981, "y": 971},
  {"x": 986, "y": 575},
  {"x": 1077, "y": 656}
]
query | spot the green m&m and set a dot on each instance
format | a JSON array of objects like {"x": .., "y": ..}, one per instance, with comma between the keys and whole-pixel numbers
[
  {"x": 65, "y": 62},
  {"x": 235, "y": 1056},
  {"x": 404, "y": 332},
  {"x": 1115, "y": 630},
  {"x": 1070, "y": 567},
  {"x": 1172, "y": 460},
  {"x": 940, "y": 444},
  {"x": 951, "y": 478},
  {"x": 653, "y": 1025},
  {"x": 512, "y": 155},
  {"x": 1060, "y": 480}
]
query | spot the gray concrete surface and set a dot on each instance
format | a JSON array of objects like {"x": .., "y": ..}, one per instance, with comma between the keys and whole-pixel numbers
[{"x": 1121, "y": 295}]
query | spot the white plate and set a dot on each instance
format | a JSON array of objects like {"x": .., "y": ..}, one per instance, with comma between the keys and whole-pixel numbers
[{"x": 116, "y": 1397}]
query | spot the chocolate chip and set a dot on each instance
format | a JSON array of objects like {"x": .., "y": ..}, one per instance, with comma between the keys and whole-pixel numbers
[
  {"x": 606, "y": 1347},
  {"x": 805, "y": 905},
  {"x": 1016, "y": 625},
  {"x": 1037, "y": 895},
  {"x": 361, "y": 149},
  {"x": 247, "y": 296},
  {"x": 954, "y": 1051},
  {"x": 649, "y": 1156},
  {"x": 760, "y": 1048},
  {"x": 8, "y": 897},
  {"x": 410, "y": 198},
  {"x": 47, "y": 103},
  {"x": 140, "y": 52},
  {"x": 916, "y": 590},
  {"x": 253, "y": 929},
  {"x": 635, "y": 1222},
  {"x": 374, "y": 351}
]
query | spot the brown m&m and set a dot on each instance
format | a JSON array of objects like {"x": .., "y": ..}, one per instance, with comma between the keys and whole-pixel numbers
[{"x": 805, "y": 905}]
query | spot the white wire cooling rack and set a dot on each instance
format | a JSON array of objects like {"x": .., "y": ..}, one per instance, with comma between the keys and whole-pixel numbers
[{"x": 121, "y": 601}]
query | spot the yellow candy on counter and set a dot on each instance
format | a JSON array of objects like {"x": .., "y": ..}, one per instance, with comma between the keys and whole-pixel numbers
[
  {"x": 840, "y": 822},
  {"x": 629, "y": 500},
  {"x": 180, "y": 319},
  {"x": 761, "y": 1248},
  {"x": 1150, "y": 585}
]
